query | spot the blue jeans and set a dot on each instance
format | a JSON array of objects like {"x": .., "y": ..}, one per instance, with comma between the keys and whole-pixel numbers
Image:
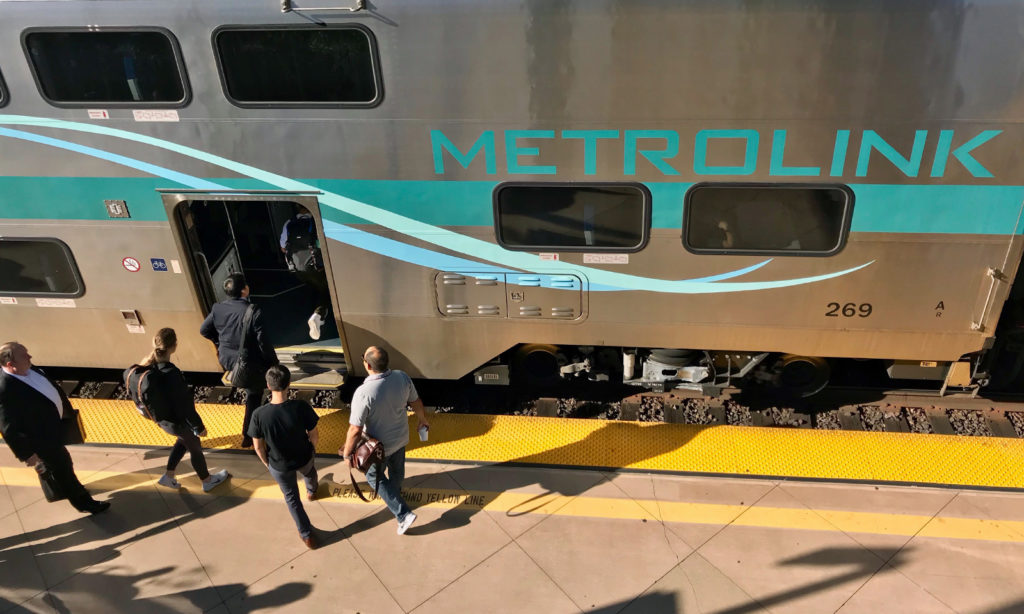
[
  {"x": 290, "y": 487},
  {"x": 390, "y": 488}
]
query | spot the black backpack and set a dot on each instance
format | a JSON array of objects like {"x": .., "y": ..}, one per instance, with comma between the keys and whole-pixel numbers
[
  {"x": 147, "y": 387},
  {"x": 302, "y": 246}
]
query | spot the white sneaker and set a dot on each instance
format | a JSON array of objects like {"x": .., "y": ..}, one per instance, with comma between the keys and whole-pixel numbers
[
  {"x": 315, "y": 322},
  {"x": 168, "y": 482},
  {"x": 404, "y": 525},
  {"x": 216, "y": 479}
]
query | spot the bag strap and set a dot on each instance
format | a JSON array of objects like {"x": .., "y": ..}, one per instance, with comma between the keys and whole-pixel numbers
[
  {"x": 138, "y": 395},
  {"x": 355, "y": 485},
  {"x": 138, "y": 390},
  {"x": 246, "y": 321}
]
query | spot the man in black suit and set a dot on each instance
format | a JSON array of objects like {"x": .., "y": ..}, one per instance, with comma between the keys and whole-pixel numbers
[
  {"x": 31, "y": 407},
  {"x": 223, "y": 326}
]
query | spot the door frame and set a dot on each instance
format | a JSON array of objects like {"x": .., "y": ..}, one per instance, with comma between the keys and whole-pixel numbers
[{"x": 174, "y": 200}]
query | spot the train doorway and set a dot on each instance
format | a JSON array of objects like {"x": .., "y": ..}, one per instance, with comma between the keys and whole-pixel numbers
[{"x": 225, "y": 234}]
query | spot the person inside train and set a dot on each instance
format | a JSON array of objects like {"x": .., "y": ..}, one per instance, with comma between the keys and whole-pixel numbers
[
  {"x": 182, "y": 420},
  {"x": 301, "y": 247},
  {"x": 223, "y": 326}
]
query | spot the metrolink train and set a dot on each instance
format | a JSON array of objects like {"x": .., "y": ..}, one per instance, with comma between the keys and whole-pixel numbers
[{"x": 665, "y": 193}]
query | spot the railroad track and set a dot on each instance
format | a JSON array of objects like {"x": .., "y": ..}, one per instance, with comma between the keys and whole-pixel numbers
[
  {"x": 837, "y": 408},
  {"x": 855, "y": 409}
]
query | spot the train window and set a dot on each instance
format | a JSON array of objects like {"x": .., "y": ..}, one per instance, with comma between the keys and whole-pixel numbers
[
  {"x": 113, "y": 67},
  {"x": 297, "y": 67},
  {"x": 767, "y": 219},
  {"x": 3, "y": 91},
  {"x": 40, "y": 267},
  {"x": 572, "y": 217}
]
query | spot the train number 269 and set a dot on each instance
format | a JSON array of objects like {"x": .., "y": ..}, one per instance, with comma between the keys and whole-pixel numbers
[{"x": 848, "y": 310}]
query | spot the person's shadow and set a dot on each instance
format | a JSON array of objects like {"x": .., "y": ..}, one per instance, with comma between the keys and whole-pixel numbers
[
  {"x": 121, "y": 593},
  {"x": 136, "y": 513},
  {"x": 618, "y": 440}
]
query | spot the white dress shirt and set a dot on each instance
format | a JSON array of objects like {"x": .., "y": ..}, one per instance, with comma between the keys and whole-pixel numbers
[{"x": 43, "y": 385}]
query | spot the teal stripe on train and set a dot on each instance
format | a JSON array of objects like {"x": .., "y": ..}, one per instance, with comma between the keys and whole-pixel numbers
[
  {"x": 81, "y": 198},
  {"x": 939, "y": 209}
]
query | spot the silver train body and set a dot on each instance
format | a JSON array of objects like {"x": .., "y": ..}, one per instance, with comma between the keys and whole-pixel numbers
[{"x": 912, "y": 110}]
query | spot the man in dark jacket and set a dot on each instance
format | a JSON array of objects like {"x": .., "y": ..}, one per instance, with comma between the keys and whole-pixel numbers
[
  {"x": 31, "y": 407},
  {"x": 224, "y": 328}
]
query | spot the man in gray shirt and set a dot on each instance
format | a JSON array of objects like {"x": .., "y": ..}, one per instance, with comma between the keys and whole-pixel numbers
[{"x": 379, "y": 407}]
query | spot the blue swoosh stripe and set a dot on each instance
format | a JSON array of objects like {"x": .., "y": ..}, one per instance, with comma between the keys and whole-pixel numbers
[
  {"x": 339, "y": 232},
  {"x": 403, "y": 251},
  {"x": 425, "y": 232},
  {"x": 152, "y": 169}
]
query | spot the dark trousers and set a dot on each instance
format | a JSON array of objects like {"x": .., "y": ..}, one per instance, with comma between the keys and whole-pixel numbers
[
  {"x": 390, "y": 488},
  {"x": 317, "y": 280},
  {"x": 187, "y": 440},
  {"x": 253, "y": 396},
  {"x": 290, "y": 487},
  {"x": 58, "y": 462}
]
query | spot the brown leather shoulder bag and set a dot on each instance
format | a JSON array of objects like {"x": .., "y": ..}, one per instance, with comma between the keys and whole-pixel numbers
[{"x": 368, "y": 452}]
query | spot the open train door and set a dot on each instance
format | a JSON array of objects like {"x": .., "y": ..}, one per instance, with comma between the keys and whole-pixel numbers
[{"x": 243, "y": 232}]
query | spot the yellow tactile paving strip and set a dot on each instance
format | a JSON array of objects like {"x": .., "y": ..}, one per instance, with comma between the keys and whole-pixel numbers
[
  {"x": 797, "y": 453},
  {"x": 551, "y": 503}
]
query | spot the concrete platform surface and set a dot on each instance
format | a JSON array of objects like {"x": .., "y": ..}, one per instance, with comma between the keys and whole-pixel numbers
[{"x": 499, "y": 538}]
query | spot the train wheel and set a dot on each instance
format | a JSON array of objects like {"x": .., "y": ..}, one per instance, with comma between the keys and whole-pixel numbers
[
  {"x": 537, "y": 365},
  {"x": 803, "y": 375}
]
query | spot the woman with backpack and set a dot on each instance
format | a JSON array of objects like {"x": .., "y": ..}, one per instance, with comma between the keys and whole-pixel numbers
[{"x": 179, "y": 417}]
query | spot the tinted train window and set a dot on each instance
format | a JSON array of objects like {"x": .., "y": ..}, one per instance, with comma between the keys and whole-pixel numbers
[
  {"x": 572, "y": 217},
  {"x": 299, "y": 66},
  {"x": 110, "y": 67},
  {"x": 797, "y": 220},
  {"x": 42, "y": 267},
  {"x": 3, "y": 91}
]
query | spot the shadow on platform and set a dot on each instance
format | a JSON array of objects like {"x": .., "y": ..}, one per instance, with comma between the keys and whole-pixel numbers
[
  {"x": 58, "y": 561},
  {"x": 615, "y": 442},
  {"x": 863, "y": 563}
]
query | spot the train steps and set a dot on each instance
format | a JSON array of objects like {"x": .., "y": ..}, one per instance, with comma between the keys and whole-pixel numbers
[{"x": 313, "y": 366}]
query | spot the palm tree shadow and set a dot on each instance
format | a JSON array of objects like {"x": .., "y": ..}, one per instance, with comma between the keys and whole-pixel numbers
[{"x": 861, "y": 564}]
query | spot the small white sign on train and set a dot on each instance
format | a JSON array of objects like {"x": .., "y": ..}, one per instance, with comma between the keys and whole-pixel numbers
[
  {"x": 605, "y": 258},
  {"x": 66, "y": 303},
  {"x": 155, "y": 115}
]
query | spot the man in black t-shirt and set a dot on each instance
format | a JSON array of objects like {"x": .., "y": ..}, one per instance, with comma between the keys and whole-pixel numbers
[{"x": 284, "y": 434}]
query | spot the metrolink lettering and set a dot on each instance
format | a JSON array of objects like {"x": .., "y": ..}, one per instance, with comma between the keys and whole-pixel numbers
[{"x": 658, "y": 149}]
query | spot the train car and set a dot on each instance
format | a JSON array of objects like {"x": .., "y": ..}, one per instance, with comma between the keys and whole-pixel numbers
[{"x": 662, "y": 192}]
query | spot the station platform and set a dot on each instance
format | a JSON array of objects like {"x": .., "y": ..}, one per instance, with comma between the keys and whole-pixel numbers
[
  {"x": 503, "y": 539},
  {"x": 875, "y": 457}
]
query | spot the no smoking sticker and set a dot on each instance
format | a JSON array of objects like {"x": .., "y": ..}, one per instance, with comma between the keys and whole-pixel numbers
[{"x": 131, "y": 264}]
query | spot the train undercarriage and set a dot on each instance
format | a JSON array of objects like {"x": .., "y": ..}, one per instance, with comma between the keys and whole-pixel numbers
[{"x": 709, "y": 372}]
